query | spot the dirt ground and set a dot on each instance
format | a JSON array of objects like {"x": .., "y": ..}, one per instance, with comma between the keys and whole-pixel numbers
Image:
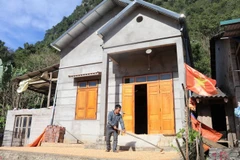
[{"x": 79, "y": 151}]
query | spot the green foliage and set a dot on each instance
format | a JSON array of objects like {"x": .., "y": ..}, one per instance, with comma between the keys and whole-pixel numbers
[
  {"x": 202, "y": 16},
  {"x": 192, "y": 135}
]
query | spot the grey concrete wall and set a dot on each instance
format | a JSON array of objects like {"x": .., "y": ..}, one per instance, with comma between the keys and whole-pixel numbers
[
  {"x": 85, "y": 55},
  {"x": 136, "y": 64},
  {"x": 153, "y": 26},
  {"x": 86, "y": 49},
  {"x": 40, "y": 119}
]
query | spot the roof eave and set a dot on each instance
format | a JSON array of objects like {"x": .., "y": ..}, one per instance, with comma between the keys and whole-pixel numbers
[
  {"x": 161, "y": 10},
  {"x": 59, "y": 48}
]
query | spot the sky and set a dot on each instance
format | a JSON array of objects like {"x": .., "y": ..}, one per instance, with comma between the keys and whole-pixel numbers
[{"x": 24, "y": 21}]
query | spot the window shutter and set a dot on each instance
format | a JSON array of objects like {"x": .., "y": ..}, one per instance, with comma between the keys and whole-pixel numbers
[
  {"x": 81, "y": 103},
  {"x": 91, "y": 107}
]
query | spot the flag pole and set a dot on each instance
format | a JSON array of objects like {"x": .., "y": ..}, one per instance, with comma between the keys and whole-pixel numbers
[{"x": 186, "y": 119}]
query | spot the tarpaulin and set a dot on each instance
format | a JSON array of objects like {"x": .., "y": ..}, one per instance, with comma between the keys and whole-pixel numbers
[
  {"x": 38, "y": 140},
  {"x": 205, "y": 131}
]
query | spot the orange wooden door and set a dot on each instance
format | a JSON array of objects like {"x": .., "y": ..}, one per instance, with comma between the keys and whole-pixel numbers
[
  {"x": 167, "y": 106},
  {"x": 91, "y": 107},
  {"x": 81, "y": 103},
  {"x": 154, "y": 115},
  {"x": 128, "y": 107}
]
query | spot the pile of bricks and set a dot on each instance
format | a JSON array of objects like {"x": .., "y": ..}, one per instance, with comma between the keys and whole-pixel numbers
[{"x": 54, "y": 134}]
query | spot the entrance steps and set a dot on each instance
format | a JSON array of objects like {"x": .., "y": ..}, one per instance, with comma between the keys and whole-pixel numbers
[{"x": 141, "y": 143}]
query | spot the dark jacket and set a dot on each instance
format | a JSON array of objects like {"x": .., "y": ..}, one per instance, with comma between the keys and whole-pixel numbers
[{"x": 114, "y": 120}]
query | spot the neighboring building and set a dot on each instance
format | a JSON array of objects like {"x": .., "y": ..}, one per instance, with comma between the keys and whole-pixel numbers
[
  {"x": 128, "y": 53},
  {"x": 225, "y": 66},
  {"x": 23, "y": 126}
]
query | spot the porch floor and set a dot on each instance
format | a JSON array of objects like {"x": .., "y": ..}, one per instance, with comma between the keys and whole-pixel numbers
[{"x": 72, "y": 152}]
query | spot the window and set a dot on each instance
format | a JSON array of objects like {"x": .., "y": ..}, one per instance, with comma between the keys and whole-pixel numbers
[
  {"x": 152, "y": 78},
  {"x": 86, "y": 105},
  {"x": 141, "y": 79},
  {"x": 22, "y": 126},
  {"x": 129, "y": 80},
  {"x": 167, "y": 76}
]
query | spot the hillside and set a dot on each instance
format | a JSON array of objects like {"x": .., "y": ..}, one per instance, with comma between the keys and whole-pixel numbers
[{"x": 203, "y": 17}]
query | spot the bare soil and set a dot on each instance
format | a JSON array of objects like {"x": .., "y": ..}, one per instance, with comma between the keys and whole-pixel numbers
[{"x": 91, "y": 153}]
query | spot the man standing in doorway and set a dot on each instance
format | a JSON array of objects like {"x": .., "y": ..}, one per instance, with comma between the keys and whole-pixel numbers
[{"x": 114, "y": 118}]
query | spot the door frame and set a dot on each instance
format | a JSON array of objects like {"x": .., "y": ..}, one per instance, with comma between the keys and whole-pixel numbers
[{"x": 134, "y": 83}]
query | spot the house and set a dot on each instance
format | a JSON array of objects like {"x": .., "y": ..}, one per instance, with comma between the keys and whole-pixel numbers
[
  {"x": 224, "y": 49},
  {"x": 123, "y": 52},
  {"x": 24, "y": 125}
]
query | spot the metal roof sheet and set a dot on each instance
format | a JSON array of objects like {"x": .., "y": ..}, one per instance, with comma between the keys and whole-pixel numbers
[
  {"x": 229, "y": 22},
  {"x": 86, "y": 21},
  {"x": 219, "y": 94},
  {"x": 38, "y": 72},
  {"x": 231, "y": 27}
]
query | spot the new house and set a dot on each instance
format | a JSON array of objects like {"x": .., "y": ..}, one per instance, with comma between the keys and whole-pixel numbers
[{"x": 130, "y": 53}]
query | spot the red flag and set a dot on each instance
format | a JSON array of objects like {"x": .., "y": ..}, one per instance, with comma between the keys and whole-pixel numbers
[
  {"x": 205, "y": 131},
  {"x": 199, "y": 83}
]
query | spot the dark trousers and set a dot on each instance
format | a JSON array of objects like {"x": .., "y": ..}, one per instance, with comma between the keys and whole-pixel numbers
[{"x": 109, "y": 133}]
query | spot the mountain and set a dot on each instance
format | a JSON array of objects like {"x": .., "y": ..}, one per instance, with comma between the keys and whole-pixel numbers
[{"x": 203, "y": 17}]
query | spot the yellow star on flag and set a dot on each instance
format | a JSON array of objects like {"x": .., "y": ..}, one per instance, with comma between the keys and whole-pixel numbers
[{"x": 200, "y": 81}]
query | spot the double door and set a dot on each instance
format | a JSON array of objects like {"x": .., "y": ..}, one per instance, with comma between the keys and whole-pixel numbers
[{"x": 160, "y": 106}]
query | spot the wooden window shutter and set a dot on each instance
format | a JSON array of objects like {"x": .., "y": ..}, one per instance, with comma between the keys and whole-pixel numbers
[
  {"x": 91, "y": 107},
  {"x": 81, "y": 103}
]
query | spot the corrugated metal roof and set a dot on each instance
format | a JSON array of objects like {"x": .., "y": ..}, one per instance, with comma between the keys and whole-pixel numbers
[
  {"x": 38, "y": 72},
  {"x": 102, "y": 32},
  {"x": 229, "y": 22},
  {"x": 231, "y": 27},
  {"x": 219, "y": 94},
  {"x": 86, "y": 21}
]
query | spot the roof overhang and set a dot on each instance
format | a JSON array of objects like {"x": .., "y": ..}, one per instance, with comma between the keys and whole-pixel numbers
[
  {"x": 42, "y": 82},
  {"x": 231, "y": 28},
  {"x": 219, "y": 95},
  {"x": 85, "y": 75},
  {"x": 86, "y": 21},
  {"x": 105, "y": 29}
]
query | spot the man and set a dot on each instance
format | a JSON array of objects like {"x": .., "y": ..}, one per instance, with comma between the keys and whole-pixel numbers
[{"x": 114, "y": 118}]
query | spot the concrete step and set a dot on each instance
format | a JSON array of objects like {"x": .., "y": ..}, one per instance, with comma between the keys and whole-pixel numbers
[
  {"x": 45, "y": 144},
  {"x": 129, "y": 148}
]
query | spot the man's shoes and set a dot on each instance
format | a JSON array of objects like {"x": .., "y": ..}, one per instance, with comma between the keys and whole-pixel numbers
[
  {"x": 115, "y": 151},
  {"x": 107, "y": 150}
]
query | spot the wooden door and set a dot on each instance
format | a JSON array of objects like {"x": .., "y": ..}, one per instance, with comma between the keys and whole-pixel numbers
[
  {"x": 81, "y": 103},
  {"x": 128, "y": 107},
  {"x": 154, "y": 114},
  {"x": 167, "y": 106}
]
